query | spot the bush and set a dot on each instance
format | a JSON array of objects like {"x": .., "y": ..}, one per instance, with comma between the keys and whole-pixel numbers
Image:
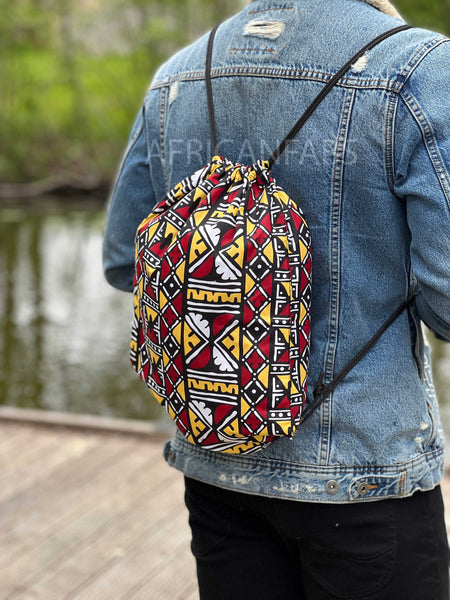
[{"x": 78, "y": 69}]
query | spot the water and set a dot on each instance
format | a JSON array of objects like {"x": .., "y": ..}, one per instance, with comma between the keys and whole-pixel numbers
[{"x": 64, "y": 331}]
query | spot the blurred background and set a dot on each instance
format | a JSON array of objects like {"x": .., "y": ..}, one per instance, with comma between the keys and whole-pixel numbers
[{"x": 73, "y": 74}]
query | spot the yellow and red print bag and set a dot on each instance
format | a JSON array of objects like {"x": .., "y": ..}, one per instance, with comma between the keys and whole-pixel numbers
[{"x": 222, "y": 304}]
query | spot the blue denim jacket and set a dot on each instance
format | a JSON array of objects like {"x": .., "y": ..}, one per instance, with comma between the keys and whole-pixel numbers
[{"x": 371, "y": 171}]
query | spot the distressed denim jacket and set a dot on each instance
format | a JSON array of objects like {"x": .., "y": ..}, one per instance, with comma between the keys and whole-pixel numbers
[{"x": 371, "y": 171}]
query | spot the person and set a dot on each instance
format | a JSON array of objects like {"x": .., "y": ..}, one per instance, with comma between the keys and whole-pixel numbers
[{"x": 351, "y": 508}]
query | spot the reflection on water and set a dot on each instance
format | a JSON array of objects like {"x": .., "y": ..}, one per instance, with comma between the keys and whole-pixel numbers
[{"x": 64, "y": 331}]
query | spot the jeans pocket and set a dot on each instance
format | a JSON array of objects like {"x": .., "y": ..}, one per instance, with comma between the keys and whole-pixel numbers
[{"x": 358, "y": 559}]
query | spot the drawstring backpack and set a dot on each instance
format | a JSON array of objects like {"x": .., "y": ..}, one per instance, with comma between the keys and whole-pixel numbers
[{"x": 222, "y": 297}]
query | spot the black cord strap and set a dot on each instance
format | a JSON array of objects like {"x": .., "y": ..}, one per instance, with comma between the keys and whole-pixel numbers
[
  {"x": 322, "y": 391},
  {"x": 311, "y": 108},
  {"x": 212, "y": 120},
  {"x": 328, "y": 87}
]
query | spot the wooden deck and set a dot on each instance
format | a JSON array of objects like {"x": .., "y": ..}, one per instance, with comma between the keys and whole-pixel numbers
[
  {"x": 87, "y": 515},
  {"x": 91, "y": 515}
]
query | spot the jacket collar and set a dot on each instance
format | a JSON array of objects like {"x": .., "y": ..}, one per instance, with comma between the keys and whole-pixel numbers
[{"x": 385, "y": 6}]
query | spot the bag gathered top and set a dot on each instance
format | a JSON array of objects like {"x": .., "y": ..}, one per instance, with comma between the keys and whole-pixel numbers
[{"x": 222, "y": 299}]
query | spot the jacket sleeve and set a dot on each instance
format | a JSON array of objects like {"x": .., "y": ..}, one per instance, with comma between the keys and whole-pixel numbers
[
  {"x": 131, "y": 201},
  {"x": 422, "y": 180}
]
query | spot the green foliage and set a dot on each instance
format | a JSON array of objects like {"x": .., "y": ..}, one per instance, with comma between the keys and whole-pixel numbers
[
  {"x": 430, "y": 14},
  {"x": 47, "y": 132},
  {"x": 76, "y": 71}
]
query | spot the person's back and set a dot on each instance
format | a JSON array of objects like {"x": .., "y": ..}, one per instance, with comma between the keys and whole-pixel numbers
[{"x": 370, "y": 170}]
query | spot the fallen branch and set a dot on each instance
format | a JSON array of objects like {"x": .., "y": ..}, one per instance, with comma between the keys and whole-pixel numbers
[{"x": 62, "y": 183}]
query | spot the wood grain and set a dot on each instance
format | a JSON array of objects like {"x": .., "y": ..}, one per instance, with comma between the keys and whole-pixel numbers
[{"x": 93, "y": 515}]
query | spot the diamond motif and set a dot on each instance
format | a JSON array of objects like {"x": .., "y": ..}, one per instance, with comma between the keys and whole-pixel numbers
[{"x": 225, "y": 303}]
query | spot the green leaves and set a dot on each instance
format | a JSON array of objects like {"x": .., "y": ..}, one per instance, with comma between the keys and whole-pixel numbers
[
  {"x": 430, "y": 14},
  {"x": 73, "y": 72}
]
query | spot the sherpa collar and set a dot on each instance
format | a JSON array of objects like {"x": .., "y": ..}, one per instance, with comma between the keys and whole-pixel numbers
[{"x": 385, "y": 6}]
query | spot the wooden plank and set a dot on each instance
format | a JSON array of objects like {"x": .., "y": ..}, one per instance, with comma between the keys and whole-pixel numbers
[
  {"x": 169, "y": 579},
  {"x": 52, "y": 556},
  {"x": 104, "y": 534},
  {"x": 17, "y": 440},
  {"x": 37, "y": 509},
  {"x": 86, "y": 422},
  {"x": 150, "y": 558},
  {"x": 94, "y": 516},
  {"x": 131, "y": 568},
  {"x": 37, "y": 457},
  {"x": 11, "y": 433},
  {"x": 94, "y": 554},
  {"x": 70, "y": 481}
]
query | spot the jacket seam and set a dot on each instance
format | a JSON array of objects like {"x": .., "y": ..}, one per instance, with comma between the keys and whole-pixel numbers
[
  {"x": 417, "y": 58},
  {"x": 408, "y": 70},
  {"x": 162, "y": 139},
  {"x": 271, "y": 9},
  {"x": 293, "y": 468},
  {"x": 310, "y": 73},
  {"x": 389, "y": 141},
  {"x": 429, "y": 140},
  {"x": 276, "y": 73},
  {"x": 335, "y": 266}
]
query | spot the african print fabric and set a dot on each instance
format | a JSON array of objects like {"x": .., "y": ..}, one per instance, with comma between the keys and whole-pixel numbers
[{"x": 222, "y": 307}]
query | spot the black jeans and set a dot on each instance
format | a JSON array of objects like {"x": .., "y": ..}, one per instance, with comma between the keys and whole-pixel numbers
[{"x": 256, "y": 548}]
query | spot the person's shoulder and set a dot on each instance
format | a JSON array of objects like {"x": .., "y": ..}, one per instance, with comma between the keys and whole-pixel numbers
[
  {"x": 400, "y": 57},
  {"x": 188, "y": 60},
  {"x": 424, "y": 55},
  {"x": 419, "y": 42}
]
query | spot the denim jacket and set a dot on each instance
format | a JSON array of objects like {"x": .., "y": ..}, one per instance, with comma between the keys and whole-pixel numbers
[{"x": 371, "y": 171}]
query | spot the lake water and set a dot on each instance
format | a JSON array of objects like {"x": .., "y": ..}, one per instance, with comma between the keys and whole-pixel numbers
[{"x": 64, "y": 332}]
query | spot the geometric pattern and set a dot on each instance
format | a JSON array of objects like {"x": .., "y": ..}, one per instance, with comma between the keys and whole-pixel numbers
[{"x": 222, "y": 295}]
